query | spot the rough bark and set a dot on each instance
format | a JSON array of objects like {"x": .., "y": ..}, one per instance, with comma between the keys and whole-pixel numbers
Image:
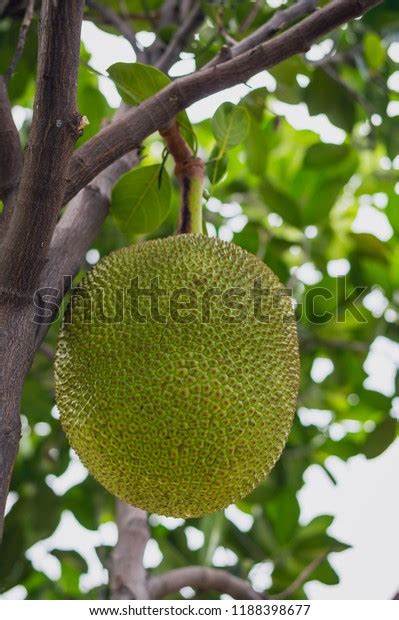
[
  {"x": 39, "y": 198},
  {"x": 10, "y": 153},
  {"x": 55, "y": 128},
  {"x": 128, "y": 577}
]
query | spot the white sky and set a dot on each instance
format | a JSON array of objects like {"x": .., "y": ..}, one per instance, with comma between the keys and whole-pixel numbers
[{"x": 365, "y": 500}]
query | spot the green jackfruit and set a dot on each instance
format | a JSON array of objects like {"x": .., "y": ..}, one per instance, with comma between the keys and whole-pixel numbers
[{"x": 177, "y": 373}]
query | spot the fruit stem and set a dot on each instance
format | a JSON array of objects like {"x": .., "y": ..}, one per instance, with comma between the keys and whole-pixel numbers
[{"x": 190, "y": 171}]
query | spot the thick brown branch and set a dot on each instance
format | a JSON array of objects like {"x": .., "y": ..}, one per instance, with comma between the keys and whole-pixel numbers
[
  {"x": 119, "y": 22},
  {"x": 23, "y": 33},
  {"x": 201, "y": 578},
  {"x": 10, "y": 151},
  {"x": 16, "y": 350},
  {"x": 128, "y": 577},
  {"x": 23, "y": 253},
  {"x": 55, "y": 127},
  {"x": 156, "y": 112}
]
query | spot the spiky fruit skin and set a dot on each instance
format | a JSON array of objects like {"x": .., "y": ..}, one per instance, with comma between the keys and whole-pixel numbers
[{"x": 179, "y": 418}]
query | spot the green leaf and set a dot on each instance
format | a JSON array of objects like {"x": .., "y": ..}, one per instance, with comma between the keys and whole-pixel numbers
[
  {"x": 82, "y": 507},
  {"x": 325, "y": 573},
  {"x": 72, "y": 567},
  {"x": 319, "y": 205},
  {"x": 392, "y": 211},
  {"x": 374, "y": 51},
  {"x": 280, "y": 202},
  {"x": 327, "y": 96},
  {"x": 285, "y": 74},
  {"x": 139, "y": 202},
  {"x": 216, "y": 166},
  {"x": 230, "y": 125},
  {"x": 284, "y": 511},
  {"x": 136, "y": 82},
  {"x": 380, "y": 438},
  {"x": 257, "y": 146},
  {"x": 322, "y": 155},
  {"x": 316, "y": 526}
]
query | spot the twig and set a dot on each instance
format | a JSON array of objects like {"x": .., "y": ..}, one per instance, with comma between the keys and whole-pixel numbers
[
  {"x": 302, "y": 578},
  {"x": 128, "y": 577},
  {"x": 23, "y": 33},
  {"x": 190, "y": 171},
  {"x": 228, "y": 39},
  {"x": 252, "y": 15},
  {"x": 120, "y": 24},
  {"x": 355, "y": 94},
  {"x": 48, "y": 351},
  {"x": 202, "y": 578},
  {"x": 157, "y": 111},
  {"x": 279, "y": 20},
  {"x": 169, "y": 12},
  {"x": 181, "y": 37}
]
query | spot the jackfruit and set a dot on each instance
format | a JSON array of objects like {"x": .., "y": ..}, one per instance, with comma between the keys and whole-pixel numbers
[{"x": 177, "y": 373}]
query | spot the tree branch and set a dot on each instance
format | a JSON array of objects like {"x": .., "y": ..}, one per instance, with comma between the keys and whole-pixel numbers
[
  {"x": 302, "y": 578},
  {"x": 55, "y": 127},
  {"x": 23, "y": 33},
  {"x": 181, "y": 37},
  {"x": 252, "y": 15},
  {"x": 128, "y": 577},
  {"x": 355, "y": 94},
  {"x": 16, "y": 354},
  {"x": 10, "y": 152},
  {"x": 190, "y": 171},
  {"x": 23, "y": 253},
  {"x": 201, "y": 578},
  {"x": 279, "y": 20},
  {"x": 76, "y": 231},
  {"x": 157, "y": 111},
  {"x": 120, "y": 24}
]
